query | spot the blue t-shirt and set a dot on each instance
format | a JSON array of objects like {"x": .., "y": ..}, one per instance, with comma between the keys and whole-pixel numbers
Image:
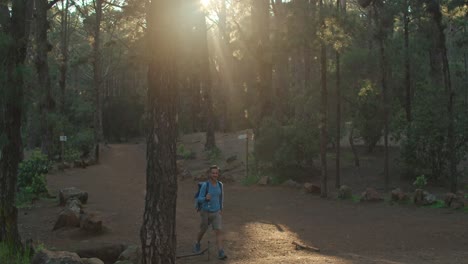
[{"x": 216, "y": 202}]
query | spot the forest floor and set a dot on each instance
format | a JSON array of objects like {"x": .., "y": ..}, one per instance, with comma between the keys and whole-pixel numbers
[{"x": 260, "y": 222}]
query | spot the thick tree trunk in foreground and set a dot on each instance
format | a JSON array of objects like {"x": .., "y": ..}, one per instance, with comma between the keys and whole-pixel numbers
[
  {"x": 158, "y": 232},
  {"x": 10, "y": 117}
]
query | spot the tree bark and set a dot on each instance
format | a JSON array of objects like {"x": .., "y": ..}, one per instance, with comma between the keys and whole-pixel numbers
[
  {"x": 338, "y": 108},
  {"x": 64, "y": 52},
  {"x": 323, "y": 108},
  {"x": 16, "y": 28},
  {"x": 158, "y": 232},
  {"x": 47, "y": 103},
  {"x": 97, "y": 74},
  {"x": 407, "y": 63},
  {"x": 205, "y": 79}
]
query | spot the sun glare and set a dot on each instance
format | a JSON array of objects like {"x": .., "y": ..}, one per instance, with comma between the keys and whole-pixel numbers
[{"x": 205, "y": 3}]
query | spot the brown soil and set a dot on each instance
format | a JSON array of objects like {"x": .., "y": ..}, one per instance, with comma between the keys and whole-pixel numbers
[{"x": 260, "y": 223}]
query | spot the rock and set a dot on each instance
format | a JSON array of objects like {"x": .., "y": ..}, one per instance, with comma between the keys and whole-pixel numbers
[
  {"x": 265, "y": 180},
  {"x": 201, "y": 177},
  {"x": 231, "y": 159},
  {"x": 292, "y": 183},
  {"x": 311, "y": 188},
  {"x": 124, "y": 262},
  {"x": 184, "y": 174},
  {"x": 233, "y": 165},
  {"x": 72, "y": 192},
  {"x": 226, "y": 178},
  {"x": 68, "y": 217},
  {"x": 371, "y": 195},
  {"x": 63, "y": 166},
  {"x": 79, "y": 164},
  {"x": 106, "y": 253},
  {"x": 345, "y": 192},
  {"x": 131, "y": 254},
  {"x": 56, "y": 257},
  {"x": 399, "y": 196},
  {"x": 422, "y": 197},
  {"x": 90, "y": 223},
  {"x": 455, "y": 201},
  {"x": 74, "y": 202},
  {"x": 92, "y": 261}
]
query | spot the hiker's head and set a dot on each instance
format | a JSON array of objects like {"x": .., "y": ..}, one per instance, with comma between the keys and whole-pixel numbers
[{"x": 214, "y": 172}]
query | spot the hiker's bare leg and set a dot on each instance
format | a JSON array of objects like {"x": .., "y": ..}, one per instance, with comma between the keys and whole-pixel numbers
[{"x": 200, "y": 235}]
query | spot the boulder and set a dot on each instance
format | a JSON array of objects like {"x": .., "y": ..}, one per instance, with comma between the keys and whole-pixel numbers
[
  {"x": 231, "y": 159},
  {"x": 422, "y": 197},
  {"x": 226, "y": 178},
  {"x": 233, "y": 165},
  {"x": 131, "y": 254},
  {"x": 455, "y": 201},
  {"x": 124, "y": 262},
  {"x": 72, "y": 192},
  {"x": 69, "y": 217},
  {"x": 184, "y": 174},
  {"x": 371, "y": 195},
  {"x": 92, "y": 261},
  {"x": 399, "y": 196},
  {"x": 106, "y": 253},
  {"x": 345, "y": 192},
  {"x": 292, "y": 183},
  {"x": 311, "y": 188},
  {"x": 90, "y": 223},
  {"x": 56, "y": 257},
  {"x": 265, "y": 180}
]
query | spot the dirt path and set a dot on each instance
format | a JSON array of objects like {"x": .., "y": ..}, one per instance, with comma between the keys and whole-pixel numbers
[{"x": 260, "y": 222}]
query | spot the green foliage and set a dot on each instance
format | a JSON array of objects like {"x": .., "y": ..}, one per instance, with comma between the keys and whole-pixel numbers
[
  {"x": 251, "y": 179},
  {"x": 438, "y": 204},
  {"x": 31, "y": 173},
  {"x": 83, "y": 141},
  {"x": 185, "y": 153},
  {"x": 420, "y": 182},
  {"x": 285, "y": 146},
  {"x": 214, "y": 155},
  {"x": 8, "y": 255},
  {"x": 122, "y": 117},
  {"x": 368, "y": 119},
  {"x": 71, "y": 154}
]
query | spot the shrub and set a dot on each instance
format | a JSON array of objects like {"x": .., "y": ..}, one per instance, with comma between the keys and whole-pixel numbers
[
  {"x": 31, "y": 173},
  {"x": 8, "y": 255},
  {"x": 185, "y": 153},
  {"x": 214, "y": 155},
  {"x": 420, "y": 182}
]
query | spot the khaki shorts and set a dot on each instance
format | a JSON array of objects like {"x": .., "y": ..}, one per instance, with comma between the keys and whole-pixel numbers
[{"x": 208, "y": 218}]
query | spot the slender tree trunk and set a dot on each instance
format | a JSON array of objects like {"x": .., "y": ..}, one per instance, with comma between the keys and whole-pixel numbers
[
  {"x": 64, "y": 52},
  {"x": 323, "y": 108},
  {"x": 204, "y": 59},
  {"x": 47, "y": 103},
  {"x": 353, "y": 147},
  {"x": 97, "y": 72},
  {"x": 158, "y": 232},
  {"x": 16, "y": 28},
  {"x": 440, "y": 66},
  {"x": 338, "y": 108},
  {"x": 407, "y": 63}
]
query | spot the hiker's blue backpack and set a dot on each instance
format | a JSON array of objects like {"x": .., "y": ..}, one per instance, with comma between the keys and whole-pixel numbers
[{"x": 198, "y": 205}]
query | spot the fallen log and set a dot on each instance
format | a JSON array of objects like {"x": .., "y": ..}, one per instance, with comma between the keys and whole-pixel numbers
[{"x": 302, "y": 247}]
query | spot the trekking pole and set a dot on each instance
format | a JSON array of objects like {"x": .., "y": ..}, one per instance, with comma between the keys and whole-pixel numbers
[{"x": 208, "y": 250}]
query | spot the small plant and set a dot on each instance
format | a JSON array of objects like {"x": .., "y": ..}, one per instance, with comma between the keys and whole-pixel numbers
[
  {"x": 9, "y": 255},
  {"x": 251, "y": 179},
  {"x": 71, "y": 155},
  {"x": 31, "y": 171},
  {"x": 420, "y": 182},
  {"x": 185, "y": 153},
  {"x": 214, "y": 155},
  {"x": 356, "y": 198},
  {"x": 438, "y": 204}
]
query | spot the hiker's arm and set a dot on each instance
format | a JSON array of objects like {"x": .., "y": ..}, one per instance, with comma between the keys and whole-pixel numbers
[{"x": 201, "y": 195}]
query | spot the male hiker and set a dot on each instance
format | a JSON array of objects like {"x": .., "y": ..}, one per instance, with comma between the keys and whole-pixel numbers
[{"x": 210, "y": 200}]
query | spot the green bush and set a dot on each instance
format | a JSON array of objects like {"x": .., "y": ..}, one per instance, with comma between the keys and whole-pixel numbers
[
  {"x": 83, "y": 141},
  {"x": 31, "y": 173},
  {"x": 8, "y": 255},
  {"x": 71, "y": 154},
  {"x": 420, "y": 182},
  {"x": 214, "y": 155},
  {"x": 185, "y": 153}
]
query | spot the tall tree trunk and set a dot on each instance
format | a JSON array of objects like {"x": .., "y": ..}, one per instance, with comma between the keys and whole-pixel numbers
[
  {"x": 323, "y": 108},
  {"x": 158, "y": 232},
  {"x": 205, "y": 79},
  {"x": 261, "y": 22},
  {"x": 97, "y": 74},
  {"x": 381, "y": 36},
  {"x": 338, "y": 107},
  {"x": 11, "y": 102},
  {"x": 47, "y": 103},
  {"x": 64, "y": 54},
  {"x": 440, "y": 67},
  {"x": 407, "y": 62}
]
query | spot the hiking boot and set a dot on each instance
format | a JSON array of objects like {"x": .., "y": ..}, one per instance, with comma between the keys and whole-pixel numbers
[
  {"x": 221, "y": 254},
  {"x": 196, "y": 248}
]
